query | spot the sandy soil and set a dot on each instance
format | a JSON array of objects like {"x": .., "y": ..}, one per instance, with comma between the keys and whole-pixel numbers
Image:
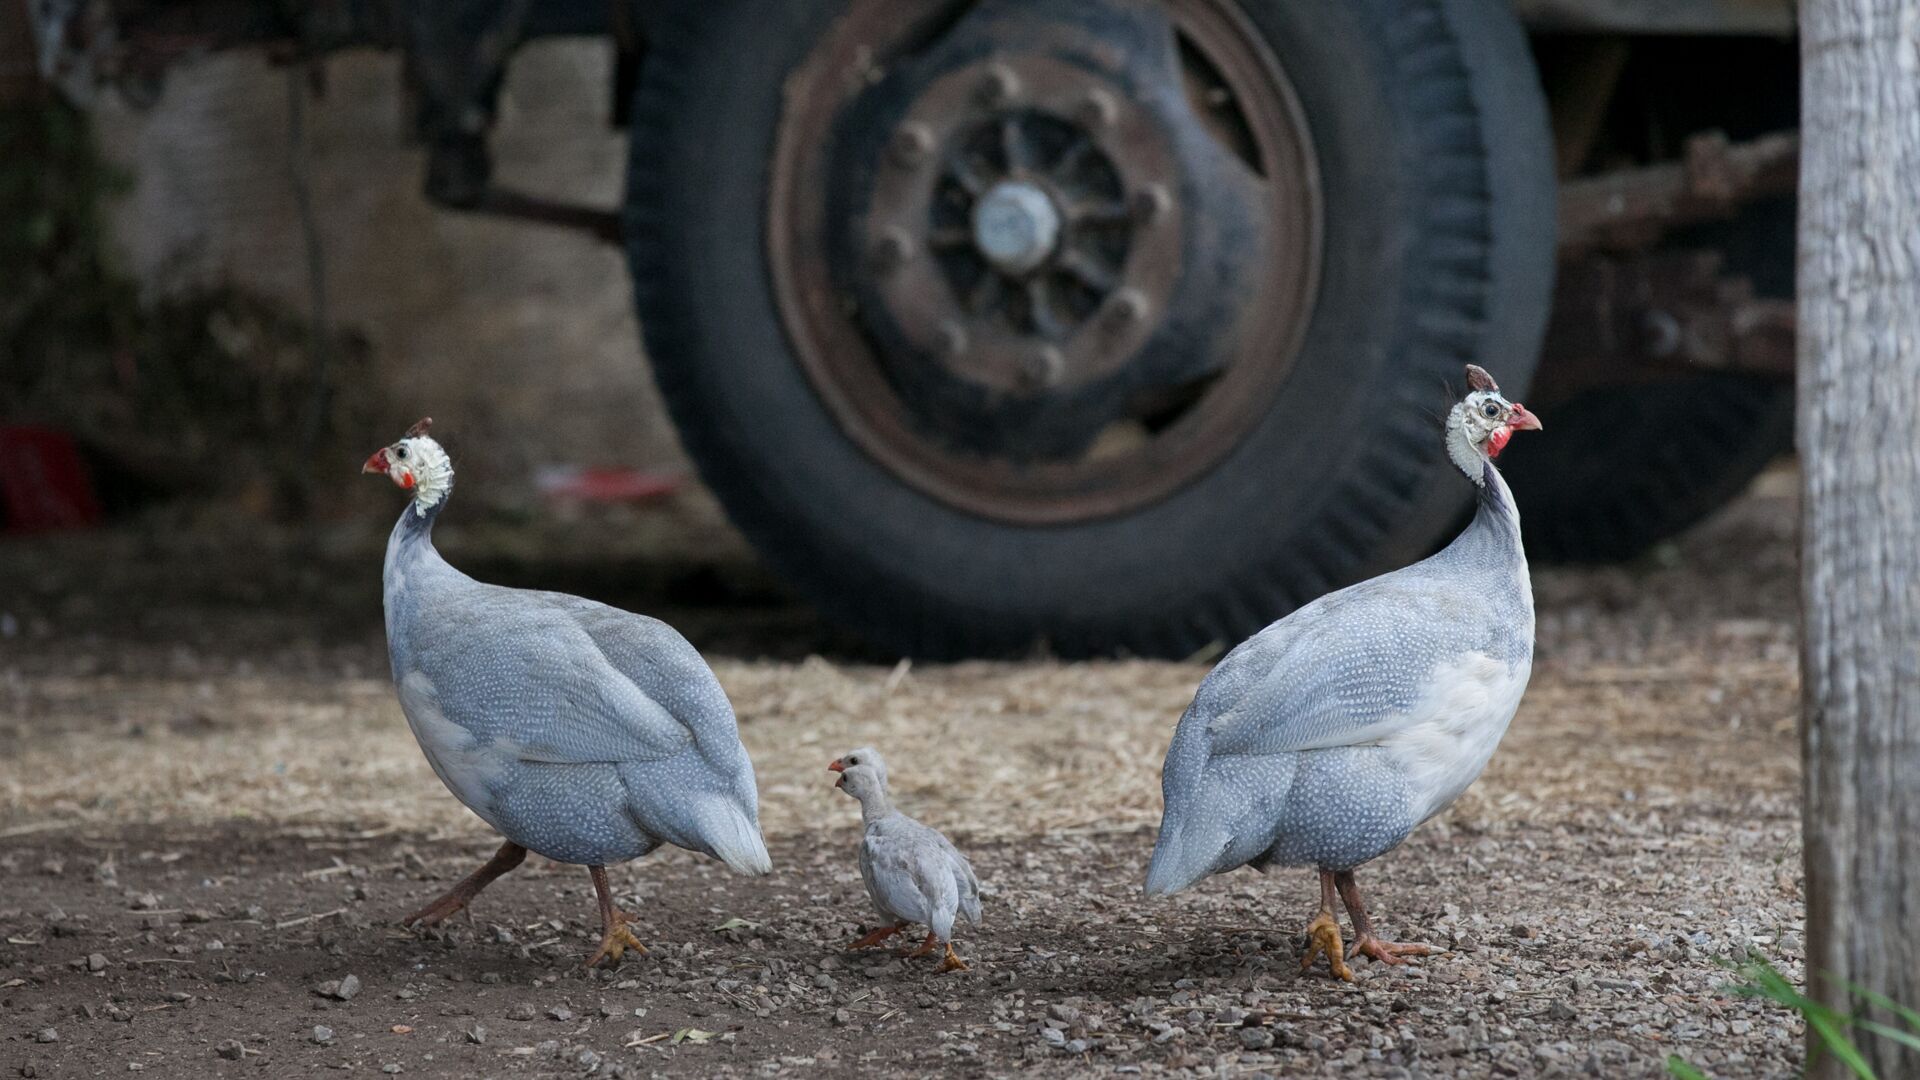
[{"x": 210, "y": 807}]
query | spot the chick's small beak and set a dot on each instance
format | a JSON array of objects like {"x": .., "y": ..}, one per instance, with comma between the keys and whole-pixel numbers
[
  {"x": 376, "y": 463},
  {"x": 840, "y": 768},
  {"x": 1522, "y": 420}
]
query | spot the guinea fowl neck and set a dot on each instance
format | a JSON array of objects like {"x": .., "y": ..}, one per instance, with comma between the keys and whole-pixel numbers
[{"x": 875, "y": 804}]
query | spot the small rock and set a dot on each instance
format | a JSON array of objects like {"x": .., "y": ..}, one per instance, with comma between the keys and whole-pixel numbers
[
  {"x": 391, "y": 1068},
  {"x": 46, "y": 1035},
  {"x": 560, "y": 1013},
  {"x": 1053, "y": 1037},
  {"x": 1256, "y": 1038},
  {"x": 1560, "y": 1010},
  {"x": 477, "y": 1035},
  {"x": 522, "y": 1011},
  {"x": 322, "y": 1034},
  {"x": 339, "y": 989},
  {"x": 588, "y": 1060},
  {"x": 96, "y": 962},
  {"x": 231, "y": 1050},
  {"x": 841, "y": 1018}
]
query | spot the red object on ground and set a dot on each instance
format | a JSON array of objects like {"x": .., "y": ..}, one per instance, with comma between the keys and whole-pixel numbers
[
  {"x": 605, "y": 484},
  {"x": 44, "y": 483}
]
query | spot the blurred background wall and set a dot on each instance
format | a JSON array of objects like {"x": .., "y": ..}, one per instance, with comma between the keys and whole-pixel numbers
[{"x": 519, "y": 339}]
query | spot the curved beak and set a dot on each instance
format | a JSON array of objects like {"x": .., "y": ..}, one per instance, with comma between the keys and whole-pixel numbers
[
  {"x": 377, "y": 463},
  {"x": 840, "y": 768},
  {"x": 1522, "y": 420}
]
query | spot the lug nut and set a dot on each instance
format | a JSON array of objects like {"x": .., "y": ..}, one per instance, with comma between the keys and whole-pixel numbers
[
  {"x": 1127, "y": 306},
  {"x": 912, "y": 144},
  {"x": 1044, "y": 366},
  {"x": 1000, "y": 86},
  {"x": 1097, "y": 109},
  {"x": 1152, "y": 202},
  {"x": 894, "y": 248}
]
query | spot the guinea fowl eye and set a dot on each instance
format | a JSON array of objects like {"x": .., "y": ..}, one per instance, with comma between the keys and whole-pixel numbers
[
  {"x": 401, "y": 451},
  {"x": 1492, "y": 410}
]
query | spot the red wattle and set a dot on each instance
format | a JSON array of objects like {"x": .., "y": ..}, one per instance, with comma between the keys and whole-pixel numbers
[{"x": 1497, "y": 441}]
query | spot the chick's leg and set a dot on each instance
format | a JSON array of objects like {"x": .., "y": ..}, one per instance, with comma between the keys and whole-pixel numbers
[
  {"x": 877, "y": 936},
  {"x": 1364, "y": 942},
  {"x": 616, "y": 938},
  {"x": 927, "y": 946},
  {"x": 1323, "y": 934},
  {"x": 509, "y": 856}
]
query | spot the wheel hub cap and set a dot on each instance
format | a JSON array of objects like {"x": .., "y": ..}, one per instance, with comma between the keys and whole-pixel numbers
[{"x": 1015, "y": 226}]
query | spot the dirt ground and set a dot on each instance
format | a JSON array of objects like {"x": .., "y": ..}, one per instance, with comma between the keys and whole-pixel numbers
[{"x": 212, "y": 815}]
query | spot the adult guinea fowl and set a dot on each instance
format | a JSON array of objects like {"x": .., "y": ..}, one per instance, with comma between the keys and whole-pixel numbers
[
  {"x": 576, "y": 730},
  {"x": 913, "y": 873},
  {"x": 1324, "y": 739}
]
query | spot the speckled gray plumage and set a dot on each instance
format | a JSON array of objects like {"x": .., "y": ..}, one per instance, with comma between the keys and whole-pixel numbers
[
  {"x": 1327, "y": 737},
  {"x": 585, "y": 733},
  {"x": 914, "y": 874}
]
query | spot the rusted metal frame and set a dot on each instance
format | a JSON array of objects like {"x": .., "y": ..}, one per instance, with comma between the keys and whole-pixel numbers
[
  {"x": 1648, "y": 316},
  {"x": 1625, "y": 311},
  {"x": 1632, "y": 208}
]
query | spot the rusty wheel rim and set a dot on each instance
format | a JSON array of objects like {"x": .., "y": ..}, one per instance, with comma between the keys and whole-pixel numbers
[{"x": 908, "y": 257}]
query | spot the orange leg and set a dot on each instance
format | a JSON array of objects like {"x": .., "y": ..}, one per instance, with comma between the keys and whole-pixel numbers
[
  {"x": 877, "y": 936},
  {"x": 1323, "y": 935},
  {"x": 926, "y": 946},
  {"x": 616, "y": 939},
  {"x": 456, "y": 898},
  {"x": 1364, "y": 941},
  {"x": 952, "y": 961}
]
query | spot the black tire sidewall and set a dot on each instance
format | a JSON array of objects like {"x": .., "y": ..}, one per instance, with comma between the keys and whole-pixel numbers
[{"x": 1346, "y": 466}]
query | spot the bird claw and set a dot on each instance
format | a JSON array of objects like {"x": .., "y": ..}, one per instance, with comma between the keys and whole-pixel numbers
[
  {"x": 1323, "y": 938},
  {"x": 1387, "y": 952},
  {"x": 435, "y": 913},
  {"x": 924, "y": 947},
  {"x": 952, "y": 962},
  {"x": 617, "y": 940},
  {"x": 874, "y": 938}
]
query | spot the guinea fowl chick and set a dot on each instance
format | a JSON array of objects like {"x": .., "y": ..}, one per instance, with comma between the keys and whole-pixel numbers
[
  {"x": 1324, "y": 739},
  {"x": 574, "y": 729},
  {"x": 913, "y": 873}
]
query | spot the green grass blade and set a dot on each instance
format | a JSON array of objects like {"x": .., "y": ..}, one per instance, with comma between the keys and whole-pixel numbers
[
  {"x": 1678, "y": 1068},
  {"x": 1874, "y": 997},
  {"x": 1905, "y": 1038},
  {"x": 1833, "y": 1039}
]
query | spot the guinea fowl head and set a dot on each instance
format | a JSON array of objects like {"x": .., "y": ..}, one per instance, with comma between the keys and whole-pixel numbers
[
  {"x": 1483, "y": 421},
  {"x": 862, "y": 773},
  {"x": 416, "y": 463}
]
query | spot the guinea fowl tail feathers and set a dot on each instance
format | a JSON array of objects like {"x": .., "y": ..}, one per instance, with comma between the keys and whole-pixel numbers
[
  {"x": 1191, "y": 837},
  {"x": 1220, "y": 813},
  {"x": 733, "y": 837},
  {"x": 1179, "y": 860}
]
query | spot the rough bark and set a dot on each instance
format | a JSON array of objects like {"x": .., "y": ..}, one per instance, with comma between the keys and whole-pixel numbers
[{"x": 1859, "y": 435}]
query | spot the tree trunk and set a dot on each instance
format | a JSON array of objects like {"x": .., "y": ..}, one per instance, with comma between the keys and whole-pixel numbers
[{"x": 1859, "y": 435}]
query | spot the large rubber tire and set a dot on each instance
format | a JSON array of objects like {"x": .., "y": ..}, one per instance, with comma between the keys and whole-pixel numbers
[
  {"x": 1619, "y": 469},
  {"x": 1432, "y": 140}
]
